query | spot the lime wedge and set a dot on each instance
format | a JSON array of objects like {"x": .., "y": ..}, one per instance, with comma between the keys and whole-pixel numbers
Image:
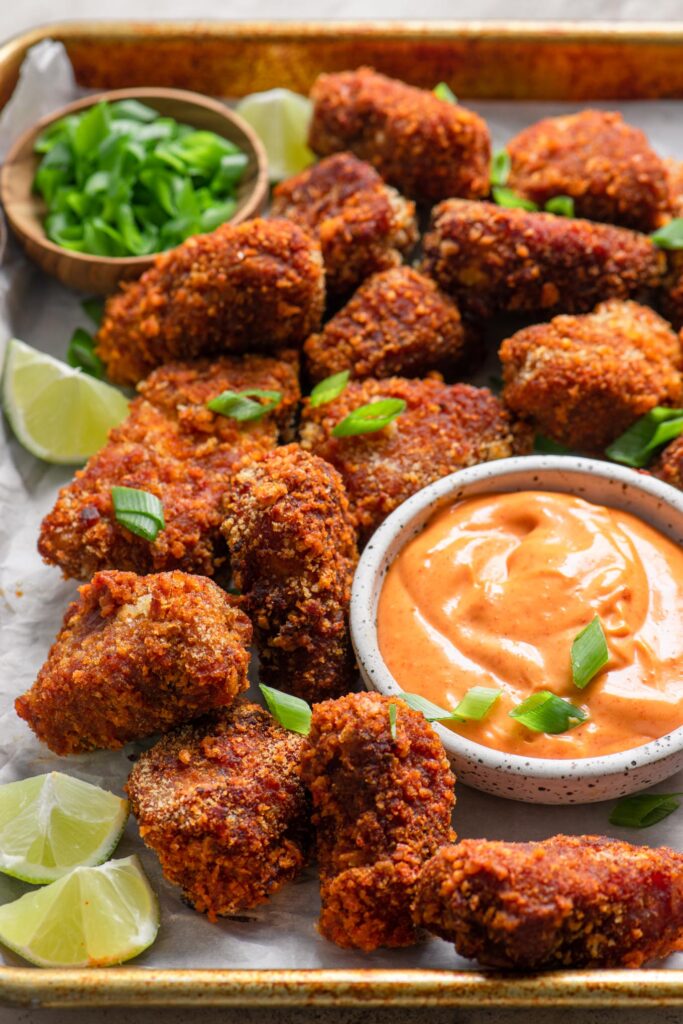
[
  {"x": 52, "y": 823},
  {"x": 90, "y": 918},
  {"x": 280, "y": 118},
  {"x": 58, "y": 413}
]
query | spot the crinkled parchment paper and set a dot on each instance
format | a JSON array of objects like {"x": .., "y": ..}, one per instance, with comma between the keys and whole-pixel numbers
[{"x": 33, "y": 598}]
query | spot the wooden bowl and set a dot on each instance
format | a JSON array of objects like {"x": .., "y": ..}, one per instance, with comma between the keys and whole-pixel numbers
[{"x": 25, "y": 210}]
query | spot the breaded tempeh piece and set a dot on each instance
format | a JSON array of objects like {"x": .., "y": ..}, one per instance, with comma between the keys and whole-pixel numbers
[
  {"x": 256, "y": 286},
  {"x": 428, "y": 148},
  {"x": 603, "y": 163},
  {"x": 582, "y": 380},
  {"x": 137, "y": 655},
  {"x": 443, "y": 428},
  {"x": 221, "y": 803},
  {"x": 570, "y": 901},
  {"x": 398, "y": 322},
  {"x": 292, "y": 552},
  {"x": 382, "y": 807},
  {"x": 491, "y": 259},
  {"x": 669, "y": 464},
  {"x": 362, "y": 224},
  {"x": 174, "y": 447}
]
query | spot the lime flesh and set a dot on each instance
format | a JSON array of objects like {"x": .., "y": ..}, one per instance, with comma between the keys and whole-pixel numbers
[{"x": 280, "y": 118}]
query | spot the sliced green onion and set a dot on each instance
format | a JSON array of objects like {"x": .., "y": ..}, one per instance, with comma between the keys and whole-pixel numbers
[
  {"x": 369, "y": 418},
  {"x": 444, "y": 92},
  {"x": 291, "y": 712},
  {"x": 563, "y": 206},
  {"x": 545, "y": 712},
  {"x": 506, "y": 197},
  {"x": 94, "y": 308},
  {"x": 546, "y": 446},
  {"x": 637, "y": 444},
  {"x": 139, "y": 511},
  {"x": 432, "y": 712},
  {"x": 644, "y": 809},
  {"x": 329, "y": 389},
  {"x": 132, "y": 110},
  {"x": 476, "y": 704},
  {"x": 392, "y": 720},
  {"x": 239, "y": 405},
  {"x": 589, "y": 653},
  {"x": 500, "y": 167},
  {"x": 81, "y": 353},
  {"x": 670, "y": 236},
  {"x": 496, "y": 384}
]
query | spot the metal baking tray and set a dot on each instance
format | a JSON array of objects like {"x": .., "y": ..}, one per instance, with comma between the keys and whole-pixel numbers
[{"x": 515, "y": 61}]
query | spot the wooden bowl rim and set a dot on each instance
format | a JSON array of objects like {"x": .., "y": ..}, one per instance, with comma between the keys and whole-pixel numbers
[{"x": 251, "y": 206}]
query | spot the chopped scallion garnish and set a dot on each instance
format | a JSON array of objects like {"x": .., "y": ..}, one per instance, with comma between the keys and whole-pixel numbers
[
  {"x": 589, "y": 653},
  {"x": 476, "y": 704},
  {"x": 563, "y": 206},
  {"x": 369, "y": 418},
  {"x": 506, "y": 197},
  {"x": 546, "y": 446},
  {"x": 432, "y": 712},
  {"x": 81, "y": 354},
  {"x": 644, "y": 809},
  {"x": 94, "y": 308},
  {"x": 392, "y": 720},
  {"x": 444, "y": 92},
  {"x": 545, "y": 712},
  {"x": 139, "y": 511},
  {"x": 636, "y": 445},
  {"x": 500, "y": 167},
  {"x": 239, "y": 405},
  {"x": 291, "y": 712},
  {"x": 670, "y": 236},
  {"x": 329, "y": 389}
]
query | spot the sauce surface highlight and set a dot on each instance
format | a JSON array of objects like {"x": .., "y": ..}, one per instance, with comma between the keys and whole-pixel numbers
[{"x": 494, "y": 590}]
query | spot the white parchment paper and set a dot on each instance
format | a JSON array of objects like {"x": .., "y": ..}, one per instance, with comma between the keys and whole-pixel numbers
[{"x": 33, "y": 598}]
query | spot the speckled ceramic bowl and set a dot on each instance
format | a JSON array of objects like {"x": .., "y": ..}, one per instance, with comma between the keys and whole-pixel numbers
[{"x": 534, "y": 780}]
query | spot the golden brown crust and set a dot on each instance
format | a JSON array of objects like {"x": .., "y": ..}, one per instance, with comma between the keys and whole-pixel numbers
[
  {"x": 669, "y": 464},
  {"x": 256, "y": 286},
  {"x": 428, "y": 148},
  {"x": 492, "y": 259},
  {"x": 570, "y": 901},
  {"x": 363, "y": 225},
  {"x": 137, "y": 655},
  {"x": 174, "y": 447},
  {"x": 398, "y": 322},
  {"x": 582, "y": 380},
  {"x": 382, "y": 807},
  {"x": 443, "y": 428},
  {"x": 604, "y": 164},
  {"x": 292, "y": 552},
  {"x": 221, "y": 803}
]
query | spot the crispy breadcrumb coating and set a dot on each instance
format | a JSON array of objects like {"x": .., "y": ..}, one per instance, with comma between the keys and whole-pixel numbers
[
  {"x": 256, "y": 286},
  {"x": 363, "y": 225},
  {"x": 604, "y": 164},
  {"x": 292, "y": 552},
  {"x": 382, "y": 807},
  {"x": 174, "y": 447},
  {"x": 443, "y": 428},
  {"x": 582, "y": 380},
  {"x": 669, "y": 464},
  {"x": 398, "y": 322},
  {"x": 137, "y": 655},
  {"x": 221, "y": 803},
  {"x": 570, "y": 901},
  {"x": 492, "y": 259},
  {"x": 428, "y": 148}
]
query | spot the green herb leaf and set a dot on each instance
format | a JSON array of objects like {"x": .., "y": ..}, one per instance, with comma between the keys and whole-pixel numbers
[
  {"x": 369, "y": 418},
  {"x": 432, "y": 712},
  {"x": 500, "y": 167},
  {"x": 563, "y": 206},
  {"x": 545, "y": 712},
  {"x": 238, "y": 405},
  {"x": 589, "y": 653},
  {"x": 291, "y": 712},
  {"x": 444, "y": 92},
  {"x": 81, "y": 354},
  {"x": 476, "y": 704},
  {"x": 94, "y": 308},
  {"x": 546, "y": 446},
  {"x": 392, "y": 720},
  {"x": 141, "y": 512},
  {"x": 506, "y": 197},
  {"x": 670, "y": 236},
  {"x": 92, "y": 128},
  {"x": 644, "y": 809},
  {"x": 329, "y": 389},
  {"x": 637, "y": 444}
]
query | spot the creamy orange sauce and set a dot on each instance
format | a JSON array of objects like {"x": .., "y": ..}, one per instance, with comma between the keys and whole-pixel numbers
[{"x": 494, "y": 590}]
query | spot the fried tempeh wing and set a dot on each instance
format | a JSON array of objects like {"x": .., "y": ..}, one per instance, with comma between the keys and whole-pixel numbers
[
  {"x": 251, "y": 287},
  {"x": 382, "y": 807},
  {"x": 221, "y": 803},
  {"x": 137, "y": 655},
  {"x": 293, "y": 552},
  {"x": 569, "y": 901}
]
